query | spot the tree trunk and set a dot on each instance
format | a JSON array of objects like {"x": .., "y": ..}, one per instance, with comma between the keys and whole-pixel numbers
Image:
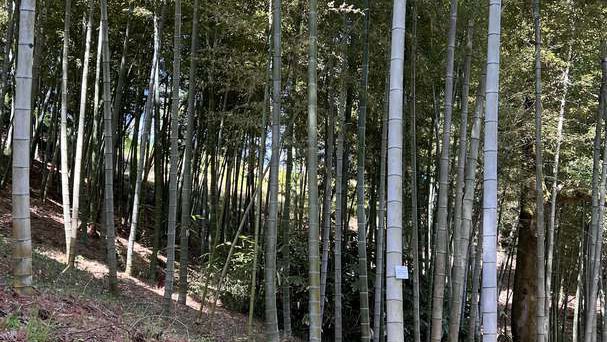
[
  {"x": 327, "y": 212},
  {"x": 594, "y": 269},
  {"x": 172, "y": 212},
  {"x": 465, "y": 174},
  {"x": 554, "y": 194},
  {"x": 22, "y": 246},
  {"x": 476, "y": 269},
  {"x": 158, "y": 153},
  {"x": 524, "y": 301},
  {"x": 378, "y": 320},
  {"x": 65, "y": 181},
  {"x": 286, "y": 224},
  {"x": 468, "y": 202},
  {"x": 394, "y": 227},
  {"x": 95, "y": 138},
  {"x": 313, "y": 230},
  {"x": 539, "y": 183},
  {"x": 339, "y": 217},
  {"x": 414, "y": 187},
  {"x": 271, "y": 231},
  {"x": 489, "y": 269},
  {"x": 119, "y": 91},
  {"x": 440, "y": 264},
  {"x": 186, "y": 190},
  {"x": 108, "y": 199},
  {"x": 71, "y": 256},
  {"x": 258, "y": 199},
  {"x": 579, "y": 288},
  {"x": 145, "y": 136},
  {"x": 363, "y": 287}
]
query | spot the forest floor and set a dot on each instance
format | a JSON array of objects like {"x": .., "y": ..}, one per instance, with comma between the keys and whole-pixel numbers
[{"x": 75, "y": 305}]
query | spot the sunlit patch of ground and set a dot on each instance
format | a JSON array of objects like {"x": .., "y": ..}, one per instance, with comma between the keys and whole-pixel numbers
[{"x": 75, "y": 305}]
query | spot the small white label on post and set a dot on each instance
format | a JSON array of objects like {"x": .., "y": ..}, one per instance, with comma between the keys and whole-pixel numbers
[{"x": 402, "y": 272}]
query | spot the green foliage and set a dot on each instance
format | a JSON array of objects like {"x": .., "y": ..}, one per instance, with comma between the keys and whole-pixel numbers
[
  {"x": 237, "y": 282},
  {"x": 231, "y": 80}
]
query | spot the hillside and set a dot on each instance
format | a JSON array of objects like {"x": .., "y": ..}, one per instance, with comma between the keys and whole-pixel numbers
[{"x": 75, "y": 306}]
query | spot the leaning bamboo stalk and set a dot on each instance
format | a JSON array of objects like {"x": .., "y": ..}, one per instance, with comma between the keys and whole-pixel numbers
[{"x": 226, "y": 264}]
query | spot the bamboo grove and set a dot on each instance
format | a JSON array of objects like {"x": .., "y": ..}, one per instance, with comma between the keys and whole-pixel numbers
[{"x": 335, "y": 169}]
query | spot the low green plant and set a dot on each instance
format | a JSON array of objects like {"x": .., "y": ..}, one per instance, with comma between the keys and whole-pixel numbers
[
  {"x": 37, "y": 330},
  {"x": 11, "y": 322}
]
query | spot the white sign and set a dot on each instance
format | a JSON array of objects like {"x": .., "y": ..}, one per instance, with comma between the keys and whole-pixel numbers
[{"x": 402, "y": 272}]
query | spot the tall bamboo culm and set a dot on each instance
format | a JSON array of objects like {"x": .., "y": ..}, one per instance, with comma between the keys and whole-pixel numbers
[
  {"x": 174, "y": 160},
  {"x": 314, "y": 229},
  {"x": 489, "y": 233},
  {"x": 394, "y": 203},
  {"x": 108, "y": 154},
  {"x": 22, "y": 250}
]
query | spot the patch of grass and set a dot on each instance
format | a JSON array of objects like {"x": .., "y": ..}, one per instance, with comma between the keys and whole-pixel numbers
[
  {"x": 37, "y": 330},
  {"x": 11, "y": 322}
]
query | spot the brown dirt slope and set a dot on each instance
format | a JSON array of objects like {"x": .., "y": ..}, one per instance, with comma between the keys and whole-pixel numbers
[{"x": 75, "y": 306}]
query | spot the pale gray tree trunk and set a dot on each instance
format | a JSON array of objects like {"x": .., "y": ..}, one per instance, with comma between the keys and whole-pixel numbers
[
  {"x": 174, "y": 160},
  {"x": 461, "y": 232},
  {"x": 71, "y": 256},
  {"x": 313, "y": 230},
  {"x": 186, "y": 187},
  {"x": 271, "y": 231},
  {"x": 554, "y": 194},
  {"x": 65, "y": 181},
  {"x": 468, "y": 202},
  {"x": 108, "y": 159},
  {"x": 440, "y": 264},
  {"x": 145, "y": 137},
  {"x": 489, "y": 233},
  {"x": 363, "y": 287},
  {"x": 22, "y": 246},
  {"x": 542, "y": 319},
  {"x": 394, "y": 204}
]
